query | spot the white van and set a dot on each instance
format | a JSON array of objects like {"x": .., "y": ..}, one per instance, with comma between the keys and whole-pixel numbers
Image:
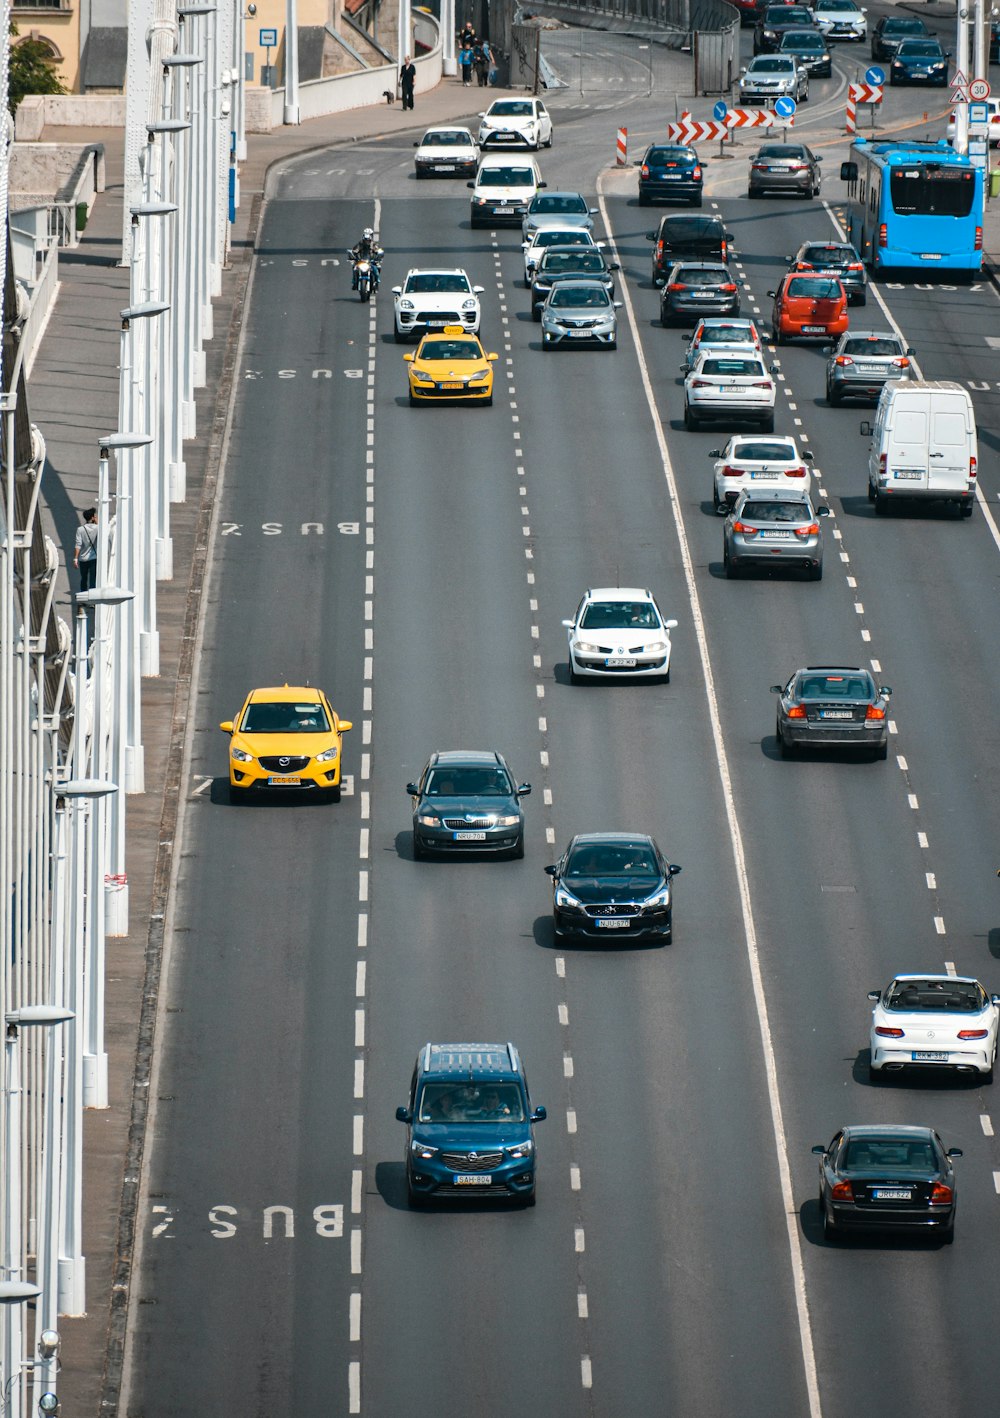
[
  {"x": 503, "y": 188},
  {"x": 923, "y": 444}
]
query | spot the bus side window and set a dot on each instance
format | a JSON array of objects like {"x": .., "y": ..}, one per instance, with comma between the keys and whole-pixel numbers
[{"x": 862, "y": 194}]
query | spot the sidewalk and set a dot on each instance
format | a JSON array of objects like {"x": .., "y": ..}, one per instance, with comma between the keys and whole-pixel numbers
[{"x": 73, "y": 397}]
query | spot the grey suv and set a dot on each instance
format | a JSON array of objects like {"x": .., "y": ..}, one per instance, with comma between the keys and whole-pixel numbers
[{"x": 774, "y": 529}]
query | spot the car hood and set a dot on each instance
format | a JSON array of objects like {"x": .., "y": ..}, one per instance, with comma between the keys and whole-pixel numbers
[
  {"x": 447, "y": 150},
  {"x": 593, "y": 890},
  {"x": 471, "y": 1137},
  {"x": 580, "y": 312},
  {"x": 470, "y": 807},
  {"x": 433, "y": 299},
  {"x": 285, "y": 745}
]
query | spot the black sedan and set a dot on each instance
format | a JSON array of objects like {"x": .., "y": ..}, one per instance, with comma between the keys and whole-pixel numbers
[
  {"x": 697, "y": 288},
  {"x": 566, "y": 263},
  {"x": 775, "y": 21},
  {"x": 832, "y": 706},
  {"x": 839, "y": 256},
  {"x": 810, "y": 48},
  {"x": 919, "y": 61},
  {"x": 467, "y": 802},
  {"x": 887, "y": 1177},
  {"x": 890, "y": 32},
  {"x": 670, "y": 172},
  {"x": 612, "y": 885}
]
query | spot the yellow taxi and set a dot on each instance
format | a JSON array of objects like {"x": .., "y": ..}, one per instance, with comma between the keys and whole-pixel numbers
[
  {"x": 450, "y": 364},
  {"x": 285, "y": 738}
]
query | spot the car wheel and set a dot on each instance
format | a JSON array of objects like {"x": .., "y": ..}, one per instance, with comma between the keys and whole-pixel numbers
[
  {"x": 767, "y": 425},
  {"x": 413, "y": 402},
  {"x": 574, "y": 678},
  {"x": 419, "y": 855},
  {"x": 816, "y": 572},
  {"x": 516, "y": 853},
  {"x": 966, "y": 508},
  {"x": 871, "y": 493},
  {"x": 732, "y": 571},
  {"x": 333, "y": 794},
  {"x": 536, "y": 312},
  {"x": 787, "y": 749},
  {"x": 988, "y": 1075},
  {"x": 830, "y": 1232},
  {"x": 948, "y": 1232},
  {"x": 399, "y": 337},
  {"x": 691, "y": 421},
  {"x": 643, "y": 199},
  {"x": 549, "y": 143},
  {"x": 237, "y": 795},
  {"x": 664, "y": 318},
  {"x": 696, "y": 201},
  {"x": 862, "y": 298},
  {"x": 612, "y": 344},
  {"x": 488, "y": 401},
  {"x": 415, "y": 1200},
  {"x": 881, "y": 752},
  {"x": 881, "y": 504},
  {"x": 833, "y": 399},
  {"x": 717, "y": 505},
  {"x": 776, "y": 335},
  {"x": 892, "y": 80}
]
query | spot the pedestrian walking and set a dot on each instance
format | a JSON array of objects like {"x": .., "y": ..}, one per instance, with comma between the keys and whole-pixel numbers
[
  {"x": 465, "y": 61},
  {"x": 407, "y": 78},
  {"x": 85, "y": 549},
  {"x": 481, "y": 63},
  {"x": 467, "y": 37}
]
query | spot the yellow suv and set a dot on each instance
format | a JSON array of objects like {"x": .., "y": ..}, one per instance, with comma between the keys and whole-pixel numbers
[
  {"x": 451, "y": 364},
  {"x": 285, "y": 738}
]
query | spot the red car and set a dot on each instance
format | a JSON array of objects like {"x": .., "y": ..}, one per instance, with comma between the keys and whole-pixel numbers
[{"x": 808, "y": 304}]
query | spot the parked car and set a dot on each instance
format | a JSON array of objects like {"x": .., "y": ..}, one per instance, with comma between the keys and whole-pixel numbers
[
  {"x": 808, "y": 305},
  {"x": 770, "y": 77},
  {"x": 767, "y": 528},
  {"x": 862, "y": 362},
  {"x": 888, "y": 1177},
  {"x": 832, "y": 706},
  {"x": 774, "y": 22},
  {"x": 670, "y": 171},
  {"x": 697, "y": 287},
  {"x": 684, "y": 238},
  {"x": 890, "y": 32},
  {"x": 920, "y": 61},
  {"x": 785, "y": 168},
  {"x": 834, "y": 256}
]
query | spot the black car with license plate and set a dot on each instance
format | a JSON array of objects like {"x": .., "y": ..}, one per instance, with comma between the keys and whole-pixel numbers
[
  {"x": 467, "y": 801},
  {"x": 567, "y": 263},
  {"x": 886, "y": 1177},
  {"x": 776, "y": 21},
  {"x": 890, "y": 32},
  {"x": 810, "y": 48},
  {"x": 614, "y": 887},
  {"x": 469, "y": 1126},
  {"x": 670, "y": 172},
  {"x": 684, "y": 238},
  {"x": 832, "y": 706},
  {"x": 838, "y": 257}
]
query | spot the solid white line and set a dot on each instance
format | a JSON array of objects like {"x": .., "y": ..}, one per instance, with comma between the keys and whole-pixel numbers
[
  {"x": 739, "y": 857},
  {"x": 355, "y": 1320},
  {"x": 986, "y": 1124},
  {"x": 354, "y": 1386}
]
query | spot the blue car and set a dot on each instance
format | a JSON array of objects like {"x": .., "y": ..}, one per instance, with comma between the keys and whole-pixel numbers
[
  {"x": 919, "y": 61},
  {"x": 469, "y": 1126}
]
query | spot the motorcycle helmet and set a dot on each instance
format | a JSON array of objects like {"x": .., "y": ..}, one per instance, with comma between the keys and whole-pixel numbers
[{"x": 368, "y": 234}]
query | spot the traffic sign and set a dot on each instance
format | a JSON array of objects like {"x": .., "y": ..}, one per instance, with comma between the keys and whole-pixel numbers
[
  {"x": 784, "y": 107},
  {"x": 979, "y": 89},
  {"x": 268, "y": 39},
  {"x": 960, "y": 81},
  {"x": 958, "y": 96},
  {"x": 720, "y": 110},
  {"x": 875, "y": 76},
  {"x": 978, "y": 113}
]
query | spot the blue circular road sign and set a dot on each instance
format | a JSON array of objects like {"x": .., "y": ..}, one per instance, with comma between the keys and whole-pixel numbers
[
  {"x": 720, "y": 110},
  {"x": 875, "y": 75},
  {"x": 784, "y": 107}
]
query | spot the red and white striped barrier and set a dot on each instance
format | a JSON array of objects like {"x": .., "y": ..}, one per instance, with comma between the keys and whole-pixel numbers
[
  {"x": 621, "y": 148},
  {"x": 706, "y": 130},
  {"x": 860, "y": 93}
]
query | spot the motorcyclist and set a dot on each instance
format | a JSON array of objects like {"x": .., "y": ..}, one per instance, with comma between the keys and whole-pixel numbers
[{"x": 367, "y": 249}]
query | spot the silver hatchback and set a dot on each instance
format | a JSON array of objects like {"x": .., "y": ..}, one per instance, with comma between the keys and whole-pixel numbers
[
  {"x": 579, "y": 312},
  {"x": 774, "y": 529},
  {"x": 861, "y": 363}
]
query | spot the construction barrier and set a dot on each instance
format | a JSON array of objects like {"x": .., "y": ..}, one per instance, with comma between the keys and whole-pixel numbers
[
  {"x": 621, "y": 152},
  {"x": 860, "y": 93}
]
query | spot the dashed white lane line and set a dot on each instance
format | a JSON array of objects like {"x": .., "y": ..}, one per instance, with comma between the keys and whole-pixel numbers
[
  {"x": 571, "y": 1120},
  {"x": 586, "y": 1372},
  {"x": 582, "y": 1305},
  {"x": 574, "y": 1177},
  {"x": 949, "y": 968},
  {"x": 902, "y": 763},
  {"x": 359, "y": 1028},
  {"x": 550, "y": 835},
  {"x": 931, "y": 880},
  {"x": 358, "y": 1140},
  {"x": 356, "y": 1251},
  {"x": 354, "y": 1386},
  {"x": 985, "y": 1122},
  {"x": 579, "y": 1240},
  {"x": 564, "y": 1015},
  {"x": 561, "y": 967},
  {"x": 355, "y": 1317},
  {"x": 567, "y": 1065},
  {"x": 922, "y": 840},
  {"x": 996, "y": 1182},
  {"x": 939, "y": 925},
  {"x": 911, "y": 799},
  {"x": 356, "y": 1192}
]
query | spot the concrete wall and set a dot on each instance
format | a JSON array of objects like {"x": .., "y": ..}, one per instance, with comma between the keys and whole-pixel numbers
[
  {"x": 36, "y": 111},
  {"x": 41, "y": 173}
]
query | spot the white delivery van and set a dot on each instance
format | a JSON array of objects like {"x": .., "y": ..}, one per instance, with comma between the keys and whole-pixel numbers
[
  {"x": 923, "y": 445},
  {"x": 503, "y": 188}
]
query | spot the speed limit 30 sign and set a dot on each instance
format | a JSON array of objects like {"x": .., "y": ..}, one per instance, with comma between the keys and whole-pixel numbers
[{"x": 979, "y": 89}]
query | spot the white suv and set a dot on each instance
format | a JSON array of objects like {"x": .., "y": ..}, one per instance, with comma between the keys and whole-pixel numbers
[
  {"x": 430, "y": 300},
  {"x": 516, "y": 123}
]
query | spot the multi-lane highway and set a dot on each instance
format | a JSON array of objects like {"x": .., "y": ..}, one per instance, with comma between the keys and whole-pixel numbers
[{"x": 417, "y": 564}]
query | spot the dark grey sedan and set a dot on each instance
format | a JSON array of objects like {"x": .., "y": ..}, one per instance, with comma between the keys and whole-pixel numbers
[
  {"x": 774, "y": 529},
  {"x": 811, "y": 50},
  {"x": 834, "y": 256},
  {"x": 789, "y": 168},
  {"x": 467, "y": 801},
  {"x": 886, "y": 1176},
  {"x": 696, "y": 288},
  {"x": 613, "y": 887},
  {"x": 832, "y": 706},
  {"x": 861, "y": 363}
]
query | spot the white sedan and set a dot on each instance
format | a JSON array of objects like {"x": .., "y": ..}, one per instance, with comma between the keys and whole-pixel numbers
[
  {"x": 618, "y": 632},
  {"x": 551, "y": 236},
  {"x": 449, "y": 150},
  {"x": 934, "y": 1021},
  {"x": 752, "y": 461},
  {"x": 516, "y": 123},
  {"x": 731, "y": 385}
]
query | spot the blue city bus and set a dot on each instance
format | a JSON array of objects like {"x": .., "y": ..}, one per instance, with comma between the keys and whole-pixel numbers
[{"x": 914, "y": 206}]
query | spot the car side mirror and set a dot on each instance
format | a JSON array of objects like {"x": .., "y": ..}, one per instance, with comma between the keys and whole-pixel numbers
[
  {"x": 617, "y": 304},
  {"x": 776, "y": 689},
  {"x": 887, "y": 691},
  {"x": 954, "y": 1152},
  {"x": 808, "y": 457},
  {"x": 848, "y": 172},
  {"x": 775, "y": 365},
  {"x": 416, "y": 145},
  {"x": 403, "y": 1115},
  {"x": 911, "y": 352},
  {"x": 226, "y": 726},
  {"x": 994, "y": 999},
  {"x": 525, "y": 245},
  {"x": 481, "y": 115},
  {"x": 523, "y": 790},
  {"x": 492, "y": 357},
  {"x": 478, "y": 290},
  {"x": 539, "y": 1115},
  {"x": 551, "y": 871},
  {"x": 345, "y": 725},
  {"x": 789, "y": 259},
  {"x": 683, "y": 368},
  {"x": 828, "y": 349},
  {"x": 413, "y": 790},
  {"x": 670, "y": 625},
  {"x": 773, "y": 294},
  {"x": 569, "y": 624},
  {"x": 817, "y": 157},
  {"x": 408, "y": 357},
  {"x": 673, "y": 869},
  {"x": 729, "y": 236},
  {"x": 867, "y": 429},
  {"x": 819, "y": 1150},
  {"x": 614, "y": 266},
  {"x": 874, "y": 996},
  {"x": 543, "y": 184},
  {"x": 592, "y": 211},
  {"x": 651, "y": 236},
  {"x": 715, "y": 452},
  {"x": 822, "y": 511},
  {"x": 688, "y": 335},
  {"x": 397, "y": 290}
]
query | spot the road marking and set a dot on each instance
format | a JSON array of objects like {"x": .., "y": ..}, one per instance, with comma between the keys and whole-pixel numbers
[
  {"x": 564, "y": 1015},
  {"x": 986, "y": 1124},
  {"x": 586, "y": 1373},
  {"x": 359, "y": 1028},
  {"x": 996, "y": 1182},
  {"x": 911, "y": 798},
  {"x": 362, "y": 932},
  {"x": 359, "y": 1134},
  {"x": 949, "y": 968},
  {"x": 359, "y": 1078},
  {"x": 922, "y": 840},
  {"x": 354, "y": 1386},
  {"x": 567, "y": 1065},
  {"x": 931, "y": 881},
  {"x": 939, "y": 925},
  {"x": 356, "y": 1251},
  {"x": 574, "y": 1177},
  {"x": 355, "y": 1320},
  {"x": 360, "y": 979},
  {"x": 582, "y": 1307},
  {"x": 902, "y": 762},
  {"x": 571, "y": 1120},
  {"x": 579, "y": 1243},
  {"x": 561, "y": 967},
  {"x": 356, "y": 1191}
]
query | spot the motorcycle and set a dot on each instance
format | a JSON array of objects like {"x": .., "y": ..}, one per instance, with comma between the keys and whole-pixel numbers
[{"x": 366, "y": 276}]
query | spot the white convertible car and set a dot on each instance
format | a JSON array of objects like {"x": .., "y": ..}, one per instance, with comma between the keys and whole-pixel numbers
[{"x": 934, "y": 1021}]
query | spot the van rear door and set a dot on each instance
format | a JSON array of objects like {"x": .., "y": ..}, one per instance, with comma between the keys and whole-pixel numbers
[
  {"x": 949, "y": 446},
  {"x": 907, "y": 447}
]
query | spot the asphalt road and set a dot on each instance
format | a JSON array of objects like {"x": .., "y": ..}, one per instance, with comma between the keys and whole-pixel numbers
[{"x": 417, "y": 564}]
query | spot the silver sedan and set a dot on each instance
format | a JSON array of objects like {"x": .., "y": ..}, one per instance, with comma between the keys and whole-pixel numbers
[{"x": 577, "y": 312}]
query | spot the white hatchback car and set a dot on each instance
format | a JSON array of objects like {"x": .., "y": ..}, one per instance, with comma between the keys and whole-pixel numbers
[
  {"x": 503, "y": 188},
  {"x": 431, "y": 299},
  {"x": 447, "y": 150},
  {"x": 551, "y": 236},
  {"x": 618, "y": 632},
  {"x": 730, "y": 384},
  {"x": 753, "y": 461},
  {"x": 516, "y": 123},
  {"x": 934, "y": 1021}
]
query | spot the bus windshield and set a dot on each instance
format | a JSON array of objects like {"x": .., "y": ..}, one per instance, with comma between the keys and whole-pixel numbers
[{"x": 932, "y": 191}]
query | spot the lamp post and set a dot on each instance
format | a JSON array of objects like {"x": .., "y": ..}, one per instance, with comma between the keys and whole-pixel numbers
[
  {"x": 292, "y": 62},
  {"x": 199, "y": 167},
  {"x": 181, "y": 358}
]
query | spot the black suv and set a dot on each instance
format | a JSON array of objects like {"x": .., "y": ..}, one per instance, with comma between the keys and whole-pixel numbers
[
  {"x": 467, "y": 802},
  {"x": 670, "y": 171},
  {"x": 566, "y": 263},
  {"x": 469, "y": 1125},
  {"x": 683, "y": 238},
  {"x": 773, "y": 23}
]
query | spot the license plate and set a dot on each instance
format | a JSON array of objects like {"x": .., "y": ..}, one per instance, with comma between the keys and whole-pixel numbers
[
  {"x": 449, "y": 386},
  {"x": 446, "y": 167},
  {"x": 764, "y": 473},
  {"x": 470, "y": 836},
  {"x": 930, "y": 256},
  {"x": 924, "y": 1056},
  {"x": 472, "y": 1179},
  {"x": 285, "y": 782},
  {"x": 776, "y": 536},
  {"x": 891, "y": 1194},
  {"x": 580, "y": 334},
  {"x": 814, "y": 329},
  {"x": 504, "y": 211},
  {"x": 907, "y": 474},
  {"x": 613, "y": 924},
  {"x": 870, "y": 369},
  {"x": 835, "y": 714},
  {"x": 620, "y": 664},
  {"x": 732, "y": 389}
]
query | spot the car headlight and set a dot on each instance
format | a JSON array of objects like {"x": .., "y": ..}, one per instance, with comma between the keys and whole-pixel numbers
[
  {"x": 564, "y": 897},
  {"x": 428, "y": 819},
  {"x": 328, "y": 755},
  {"x": 422, "y": 1150},
  {"x": 468, "y": 304},
  {"x": 937, "y": 68},
  {"x": 510, "y": 819},
  {"x": 406, "y": 305},
  {"x": 480, "y": 201},
  {"x": 521, "y": 1149},
  {"x": 240, "y": 755},
  {"x": 655, "y": 647},
  {"x": 658, "y": 899},
  {"x": 583, "y": 648}
]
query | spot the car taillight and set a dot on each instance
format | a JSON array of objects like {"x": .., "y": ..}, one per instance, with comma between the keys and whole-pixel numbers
[
  {"x": 730, "y": 472},
  {"x": 701, "y": 383},
  {"x": 902, "y": 362},
  {"x": 843, "y": 359},
  {"x": 856, "y": 266},
  {"x": 762, "y": 384},
  {"x": 644, "y": 171},
  {"x": 676, "y": 285},
  {"x": 744, "y": 529},
  {"x": 979, "y": 239},
  {"x": 729, "y": 286},
  {"x": 811, "y": 531},
  {"x": 797, "y": 711},
  {"x": 874, "y": 711},
  {"x": 842, "y": 1192},
  {"x": 941, "y": 1195},
  {"x": 883, "y": 235},
  {"x": 882, "y": 465},
  {"x": 696, "y": 172},
  {"x": 972, "y": 467},
  {"x": 972, "y": 1033},
  {"x": 759, "y": 166},
  {"x": 661, "y": 246},
  {"x": 795, "y": 472},
  {"x": 884, "y": 1032}
]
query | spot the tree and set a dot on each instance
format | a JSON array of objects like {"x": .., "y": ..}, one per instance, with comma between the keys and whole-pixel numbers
[{"x": 32, "y": 70}]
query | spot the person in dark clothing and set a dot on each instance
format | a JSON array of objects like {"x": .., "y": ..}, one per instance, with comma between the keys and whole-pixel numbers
[
  {"x": 467, "y": 38},
  {"x": 407, "y": 78},
  {"x": 481, "y": 63},
  {"x": 85, "y": 550}
]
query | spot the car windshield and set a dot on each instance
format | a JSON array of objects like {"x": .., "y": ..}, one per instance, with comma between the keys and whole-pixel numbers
[
  {"x": 423, "y": 283},
  {"x": 454, "y": 138},
  {"x": 775, "y": 512},
  {"x": 764, "y": 452},
  {"x": 827, "y": 5},
  {"x": 964, "y": 996},
  {"x": 771, "y": 64},
  {"x": 450, "y": 349},
  {"x": 900, "y": 26},
  {"x": 506, "y": 177},
  {"x": 836, "y": 686},
  {"x": 889, "y": 1154},
  {"x": 920, "y": 49},
  {"x": 828, "y": 255},
  {"x": 700, "y": 276},
  {"x": 771, "y": 152},
  {"x": 813, "y": 288},
  {"x": 549, "y": 236},
  {"x": 873, "y": 345},
  {"x": 557, "y": 202},
  {"x": 510, "y": 108},
  {"x": 726, "y": 335},
  {"x": 612, "y": 859},
  {"x": 560, "y": 261},
  {"x": 285, "y": 718},
  {"x": 803, "y": 39},
  {"x": 731, "y": 367},
  {"x": 620, "y": 615},
  {"x": 454, "y": 781},
  {"x": 470, "y": 1103},
  {"x": 586, "y": 296}
]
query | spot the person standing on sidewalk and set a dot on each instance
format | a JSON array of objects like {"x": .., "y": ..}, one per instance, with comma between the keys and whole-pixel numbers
[
  {"x": 481, "y": 62},
  {"x": 85, "y": 550},
  {"x": 407, "y": 78}
]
